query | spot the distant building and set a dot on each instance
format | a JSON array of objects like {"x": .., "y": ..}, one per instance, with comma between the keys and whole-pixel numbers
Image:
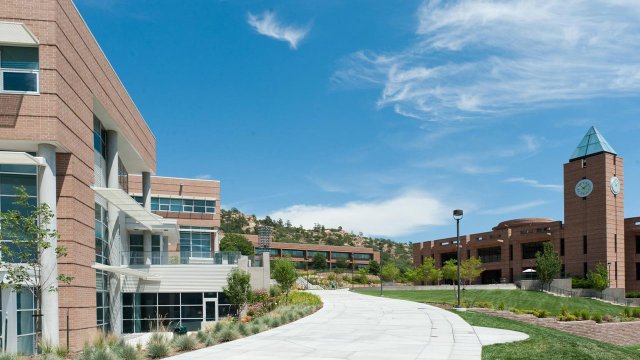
[
  {"x": 594, "y": 229},
  {"x": 302, "y": 254}
]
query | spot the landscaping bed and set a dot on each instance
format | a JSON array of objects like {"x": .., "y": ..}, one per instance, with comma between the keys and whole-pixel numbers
[{"x": 548, "y": 343}]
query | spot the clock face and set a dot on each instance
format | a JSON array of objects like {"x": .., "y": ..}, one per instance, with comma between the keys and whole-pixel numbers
[
  {"x": 584, "y": 187},
  {"x": 615, "y": 185}
]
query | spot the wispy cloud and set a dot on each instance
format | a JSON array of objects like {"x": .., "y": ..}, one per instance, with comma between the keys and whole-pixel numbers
[
  {"x": 204, "y": 176},
  {"x": 535, "y": 183},
  {"x": 407, "y": 213},
  {"x": 486, "y": 57},
  {"x": 267, "y": 24},
  {"x": 479, "y": 162},
  {"x": 513, "y": 208}
]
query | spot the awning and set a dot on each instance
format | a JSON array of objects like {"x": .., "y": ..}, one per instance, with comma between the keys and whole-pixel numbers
[
  {"x": 146, "y": 219},
  {"x": 123, "y": 270},
  {"x": 12, "y": 33},
  {"x": 20, "y": 158}
]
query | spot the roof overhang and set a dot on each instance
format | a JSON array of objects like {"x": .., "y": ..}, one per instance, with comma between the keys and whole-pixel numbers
[
  {"x": 123, "y": 270},
  {"x": 13, "y": 33},
  {"x": 144, "y": 219},
  {"x": 20, "y": 158}
]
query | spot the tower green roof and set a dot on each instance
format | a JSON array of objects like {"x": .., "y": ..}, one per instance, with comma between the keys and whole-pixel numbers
[{"x": 592, "y": 143}]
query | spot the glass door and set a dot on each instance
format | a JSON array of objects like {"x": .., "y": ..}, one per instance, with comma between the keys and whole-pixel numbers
[{"x": 210, "y": 309}]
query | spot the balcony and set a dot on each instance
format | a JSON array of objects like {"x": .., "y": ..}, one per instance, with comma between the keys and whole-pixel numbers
[{"x": 142, "y": 258}]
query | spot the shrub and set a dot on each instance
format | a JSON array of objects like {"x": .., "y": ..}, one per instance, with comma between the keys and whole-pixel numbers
[
  {"x": 597, "y": 318},
  {"x": 585, "y": 315},
  {"x": 158, "y": 346},
  {"x": 501, "y": 306},
  {"x": 257, "y": 309},
  {"x": 228, "y": 334},
  {"x": 627, "y": 312},
  {"x": 636, "y": 312},
  {"x": 275, "y": 322},
  {"x": 157, "y": 350},
  {"x": 7, "y": 356},
  {"x": 275, "y": 291},
  {"x": 541, "y": 313},
  {"x": 484, "y": 304},
  {"x": 564, "y": 311},
  {"x": 184, "y": 342},
  {"x": 633, "y": 294},
  {"x": 581, "y": 283},
  {"x": 259, "y": 296},
  {"x": 50, "y": 356},
  {"x": 255, "y": 328},
  {"x": 218, "y": 326},
  {"x": 243, "y": 329},
  {"x": 568, "y": 317}
]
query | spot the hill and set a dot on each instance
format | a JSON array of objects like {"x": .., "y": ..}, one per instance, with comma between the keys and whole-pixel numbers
[{"x": 234, "y": 221}]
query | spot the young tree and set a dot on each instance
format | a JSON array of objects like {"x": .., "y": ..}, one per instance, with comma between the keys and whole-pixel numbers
[
  {"x": 599, "y": 277},
  {"x": 236, "y": 242},
  {"x": 470, "y": 269},
  {"x": 389, "y": 272},
  {"x": 422, "y": 271},
  {"x": 548, "y": 264},
  {"x": 284, "y": 272},
  {"x": 238, "y": 289},
  {"x": 319, "y": 261},
  {"x": 450, "y": 270},
  {"x": 435, "y": 276},
  {"x": 27, "y": 228},
  {"x": 373, "y": 267}
]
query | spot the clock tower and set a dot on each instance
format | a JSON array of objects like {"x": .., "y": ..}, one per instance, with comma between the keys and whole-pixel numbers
[{"x": 594, "y": 209}]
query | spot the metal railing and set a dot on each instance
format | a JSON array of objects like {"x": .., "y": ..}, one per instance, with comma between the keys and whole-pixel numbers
[{"x": 179, "y": 258}]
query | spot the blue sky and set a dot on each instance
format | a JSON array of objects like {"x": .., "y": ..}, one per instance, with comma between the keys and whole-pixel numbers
[{"x": 381, "y": 117}]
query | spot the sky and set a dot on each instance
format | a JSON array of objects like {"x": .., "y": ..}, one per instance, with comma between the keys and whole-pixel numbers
[{"x": 380, "y": 117}]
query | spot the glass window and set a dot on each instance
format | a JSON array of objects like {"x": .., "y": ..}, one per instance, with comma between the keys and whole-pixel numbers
[
  {"x": 363, "y": 256},
  {"x": 339, "y": 255},
  {"x": 25, "y": 321},
  {"x": 529, "y": 250},
  {"x": 293, "y": 253},
  {"x": 20, "y": 81},
  {"x": 448, "y": 256},
  {"x": 488, "y": 255},
  {"x": 20, "y": 58},
  {"x": 191, "y": 298}
]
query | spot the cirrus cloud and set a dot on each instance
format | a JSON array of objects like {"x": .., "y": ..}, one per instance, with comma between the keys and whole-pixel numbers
[
  {"x": 485, "y": 57},
  {"x": 407, "y": 213},
  {"x": 267, "y": 24}
]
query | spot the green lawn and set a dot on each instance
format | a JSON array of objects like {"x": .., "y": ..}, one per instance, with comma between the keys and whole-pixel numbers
[
  {"x": 544, "y": 343},
  {"x": 518, "y": 299}
]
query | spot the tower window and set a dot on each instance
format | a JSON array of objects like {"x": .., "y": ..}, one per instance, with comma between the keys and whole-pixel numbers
[
  {"x": 584, "y": 244},
  {"x": 561, "y": 246},
  {"x": 584, "y": 163},
  {"x": 637, "y": 244},
  {"x": 637, "y": 271},
  {"x": 615, "y": 243},
  {"x": 584, "y": 269}
]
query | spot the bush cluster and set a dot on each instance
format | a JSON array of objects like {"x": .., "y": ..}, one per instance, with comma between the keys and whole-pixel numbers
[{"x": 633, "y": 294}]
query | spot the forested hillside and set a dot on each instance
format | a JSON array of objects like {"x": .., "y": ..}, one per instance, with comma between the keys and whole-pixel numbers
[{"x": 233, "y": 221}]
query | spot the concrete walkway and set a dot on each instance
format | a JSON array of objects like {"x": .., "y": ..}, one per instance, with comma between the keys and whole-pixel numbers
[{"x": 353, "y": 326}]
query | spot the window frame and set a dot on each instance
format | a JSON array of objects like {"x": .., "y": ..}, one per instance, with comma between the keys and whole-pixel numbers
[{"x": 23, "y": 71}]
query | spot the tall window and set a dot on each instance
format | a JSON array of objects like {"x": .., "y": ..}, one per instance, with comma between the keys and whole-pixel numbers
[
  {"x": 444, "y": 257},
  {"x": 194, "y": 243},
  {"x": 529, "y": 250},
  {"x": 19, "y": 68},
  {"x": 136, "y": 249},
  {"x": 510, "y": 252},
  {"x": 363, "y": 256},
  {"x": 181, "y": 205},
  {"x": 637, "y": 244},
  {"x": 25, "y": 318},
  {"x": 637, "y": 271},
  {"x": 12, "y": 177},
  {"x": 102, "y": 278},
  {"x": 561, "y": 246},
  {"x": 584, "y": 244}
]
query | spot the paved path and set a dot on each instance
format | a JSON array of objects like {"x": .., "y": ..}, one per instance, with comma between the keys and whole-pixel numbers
[{"x": 353, "y": 326}]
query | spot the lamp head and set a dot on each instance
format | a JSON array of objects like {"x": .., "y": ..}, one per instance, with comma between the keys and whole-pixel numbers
[{"x": 457, "y": 214}]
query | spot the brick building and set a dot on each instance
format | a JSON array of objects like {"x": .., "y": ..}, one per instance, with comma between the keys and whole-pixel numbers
[
  {"x": 302, "y": 254},
  {"x": 594, "y": 228},
  {"x": 72, "y": 136}
]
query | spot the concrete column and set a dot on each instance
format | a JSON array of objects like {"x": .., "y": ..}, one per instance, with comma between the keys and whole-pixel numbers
[
  {"x": 216, "y": 241},
  {"x": 9, "y": 323},
  {"x": 146, "y": 190},
  {"x": 146, "y": 200},
  {"x": 49, "y": 276},
  {"x": 117, "y": 230}
]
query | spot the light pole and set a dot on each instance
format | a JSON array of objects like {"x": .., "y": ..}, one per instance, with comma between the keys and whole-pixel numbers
[
  {"x": 457, "y": 215},
  {"x": 380, "y": 272}
]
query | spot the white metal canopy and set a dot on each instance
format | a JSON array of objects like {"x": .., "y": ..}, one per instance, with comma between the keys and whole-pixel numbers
[
  {"x": 12, "y": 33},
  {"x": 121, "y": 270},
  {"x": 20, "y": 158},
  {"x": 134, "y": 210}
]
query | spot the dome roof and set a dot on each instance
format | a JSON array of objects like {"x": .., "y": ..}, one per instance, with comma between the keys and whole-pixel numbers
[{"x": 522, "y": 222}]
